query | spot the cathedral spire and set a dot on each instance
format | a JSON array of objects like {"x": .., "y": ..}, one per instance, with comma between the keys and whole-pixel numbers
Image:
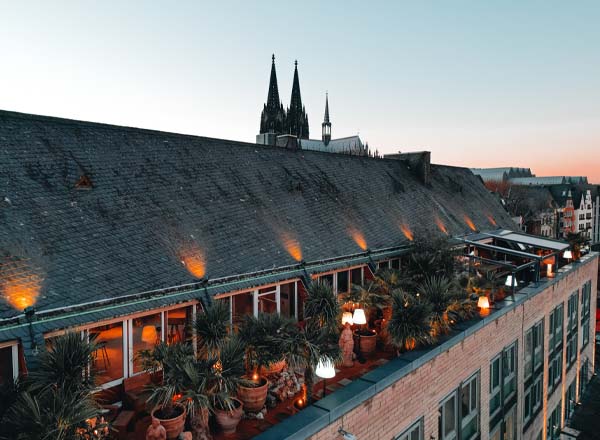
[
  {"x": 272, "y": 118},
  {"x": 273, "y": 96},
  {"x": 326, "y": 125},
  {"x": 297, "y": 118}
]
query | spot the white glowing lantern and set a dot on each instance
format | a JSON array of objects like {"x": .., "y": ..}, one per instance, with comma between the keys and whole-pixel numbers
[
  {"x": 325, "y": 369},
  {"x": 549, "y": 270},
  {"x": 347, "y": 318},
  {"x": 483, "y": 302},
  {"x": 359, "y": 317},
  {"x": 568, "y": 254},
  {"x": 509, "y": 281}
]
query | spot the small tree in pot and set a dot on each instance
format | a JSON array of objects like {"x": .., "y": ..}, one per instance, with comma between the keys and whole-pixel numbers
[{"x": 409, "y": 325}]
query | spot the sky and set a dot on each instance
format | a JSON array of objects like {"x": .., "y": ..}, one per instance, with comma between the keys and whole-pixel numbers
[{"x": 478, "y": 83}]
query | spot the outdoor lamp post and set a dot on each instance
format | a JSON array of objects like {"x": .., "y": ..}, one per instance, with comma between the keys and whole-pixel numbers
[{"x": 325, "y": 370}]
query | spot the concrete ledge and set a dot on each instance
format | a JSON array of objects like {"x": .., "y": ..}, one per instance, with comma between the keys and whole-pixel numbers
[
  {"x": 347, "y": 398},
  {"x": 299, "y": 426}
]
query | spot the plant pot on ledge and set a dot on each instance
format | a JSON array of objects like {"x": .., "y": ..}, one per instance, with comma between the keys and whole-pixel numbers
[
  {"x": 229, "y": 419},
  {"x": 254, "y": 397},
  {"x": 172, "y": 419},
  {"x": 273, "y": 368},
  {"x": 367, "y": 340}
]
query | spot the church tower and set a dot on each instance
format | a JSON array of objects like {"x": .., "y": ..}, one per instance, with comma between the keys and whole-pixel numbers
[
  {"x": 326, "y": 125},
  {"x": 272, "y": 118},
  {"x": 297, "y": 120}
]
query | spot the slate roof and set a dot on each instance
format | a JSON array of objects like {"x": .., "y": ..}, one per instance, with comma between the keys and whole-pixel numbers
[
  {"x": 531, "y": 200},
  {"x": 152, "y": 199},
  {"x": 549, "y": 180}
]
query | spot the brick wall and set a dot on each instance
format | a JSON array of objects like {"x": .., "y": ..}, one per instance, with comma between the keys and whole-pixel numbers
[{"x": 419, "y": 394}]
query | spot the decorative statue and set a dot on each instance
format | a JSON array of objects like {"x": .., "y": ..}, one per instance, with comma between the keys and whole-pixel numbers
[
  {"x": 347, "y": 345},
  {"x": 156, "y": 431}
]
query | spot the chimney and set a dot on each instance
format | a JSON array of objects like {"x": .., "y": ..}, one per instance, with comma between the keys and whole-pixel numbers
[
  {"x": 419, "y": 162},
  {"x": 288, "y": 141}
]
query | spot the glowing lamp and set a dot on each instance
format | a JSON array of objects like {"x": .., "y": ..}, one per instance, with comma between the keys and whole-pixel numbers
[
  {"x": 149, "y": 334},
  {"x": 509, "y": 281},
  {"x": 483, "y": 302},
  {"x": 568, "y": 254},
  {"x": 347, "y": 318},
  {"x": 359, "y": 317},
  {"x": 549, "y": 270},
  {"x": 325, "y": 369}
]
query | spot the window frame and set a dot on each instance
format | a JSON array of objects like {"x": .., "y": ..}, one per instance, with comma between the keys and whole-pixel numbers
[{"x": 407, "y": 433}]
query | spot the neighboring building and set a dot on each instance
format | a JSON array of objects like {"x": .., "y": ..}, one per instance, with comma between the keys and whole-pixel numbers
[
  {"x": 110, "y": 231},
  {"x": 550, "y": 180},
  {"x": 501, "y": 174},
  {"x": 290, "y": 128}
]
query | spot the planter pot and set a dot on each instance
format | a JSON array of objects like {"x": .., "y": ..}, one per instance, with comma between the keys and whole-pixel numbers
[
  {"x": 228, "y": 420},
  {"x": 254, "y": 398},
  {"x": 173, "y": 426},
  {"x": 367, "y": 342},
  {"x": 274, "y": 368}
]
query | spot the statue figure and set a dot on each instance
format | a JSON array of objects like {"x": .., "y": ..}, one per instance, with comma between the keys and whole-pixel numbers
[
  {"x": 156, "y": 431},
  {"x": 347, "y": 346}
]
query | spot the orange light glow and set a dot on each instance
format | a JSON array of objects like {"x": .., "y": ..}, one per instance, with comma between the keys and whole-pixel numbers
[
  {"x": 470, "y": 223},
  {"x": 358, "y": 238},
  {"x": 483, "y": 302},
  {"x": 407, "y": 231},
  {"x": 491, "y": 220},
  {"x": 410, "y": 344},
  {"x": 255, "y": 377},
  {"x": 194, "y": 261},
  {"x": 176, "y": 397},
  {"x": 441, "y": 226},
  {"x": 22, "y": 291},
  {"x": 291, "y": 245}
]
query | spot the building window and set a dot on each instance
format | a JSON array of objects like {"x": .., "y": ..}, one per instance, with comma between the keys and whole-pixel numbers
[
  {"x": 553, "y": 427},
  {"x": 108, "y": 358},
  {"x": 179, "y": 325},
  {"x": 586, "y": 293},
  {"x": 533, "y": 371},
  {"x": 356, "y": 275},
  {"x": 241, "y": 305},
  {"x": 343, "y": 282},
  {"x": 448, "y": 418},
  {"x": 503, "y": 391},
  {"x": 505, "y": 429},
  {"x": 583, "y": 376},
  {"x": 146, "y": 331},
  {"x": 415, "y": 432},
  {"x": 327, "y": 279},
  {"x": 9, "y": 363},
  {"x": 288, "y": 298},
  {"x": 383, "y": 265},
  {"x": 570, "y": 402},
  {"x": 572, "y": 326},
  {"x": 495, "y": 388},
  {"x": 509, "y": 372},
  {"x": 469, "y": 399},
  {"x": 267, "y": 300},
  {"x": 555, "y": 354},
  {"x": 395, "y": 263}
]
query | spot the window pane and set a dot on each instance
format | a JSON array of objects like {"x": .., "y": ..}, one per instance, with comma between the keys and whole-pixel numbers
[
  {"x": 288, "y": 300},
  {"x": 464, "y": 400},
  {"x": 327, "y": 279},
  {"x": 179, "y": 325},
  {"x": 356, "y": 275},
  {"x": 145, "y": 334},
  {"x": 242, "y": 304},
  {"x": 6, "y": 365},
  {"x": 342, "y": 282},
  {"x": 108, "y": 359},
  {"x": 449, "y": 416},
  {"x": 267, "y": 303}
]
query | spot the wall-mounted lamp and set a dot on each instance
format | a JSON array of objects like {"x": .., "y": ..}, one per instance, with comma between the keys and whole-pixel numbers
[{"x": 346, "y": 435}]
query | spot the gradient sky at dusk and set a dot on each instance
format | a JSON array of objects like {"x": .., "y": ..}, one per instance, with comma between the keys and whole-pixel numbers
[{"x": 479, "y": 83}]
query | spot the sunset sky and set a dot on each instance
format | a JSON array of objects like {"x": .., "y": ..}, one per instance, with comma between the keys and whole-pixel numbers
[{"x": 479, "y": 83}]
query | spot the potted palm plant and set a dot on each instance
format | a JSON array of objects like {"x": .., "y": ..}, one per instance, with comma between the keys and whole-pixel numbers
[
  {"x": 56, "y": 399},
  {"x": 409, "y": 325},
  {"x": 440, "y": 292},
  {"x": 368, "y": 298}
]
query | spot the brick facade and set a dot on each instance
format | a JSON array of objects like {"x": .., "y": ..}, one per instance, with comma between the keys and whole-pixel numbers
[{"x": 419, "y": 394}]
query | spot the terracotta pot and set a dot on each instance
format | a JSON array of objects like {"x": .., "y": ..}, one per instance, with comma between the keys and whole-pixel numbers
[
  {"x": 254, "y": 398},
  {"x": 173, "y": 426},
  {"x": 367, "y": 344},
  {"x": 274, "y": 368},
  {"x": 228, "y": 420}
]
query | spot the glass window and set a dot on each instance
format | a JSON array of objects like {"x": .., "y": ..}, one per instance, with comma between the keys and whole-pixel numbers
[
  {"x": 395, "y": 263},
  {"x": 287, "y": 297},
  {"x": 509, "y": 371},
  {"x": 415, "y": 432},
  {"x": 179, "y": 325},
  {"x": 6, "y": 365},
  {"x": 267, "y": 300},
  {"x": 470, "y": 408},
  {"x": 448, "y": 418},
  {"x": 495, "y": 395},
  {"x": 108, "y": 359},
  {"x": 356, "y": 275},
  {"x": 343, "y": 285},
  {"x": 510, "y": 424},
  {"x": 145, "y": 333},
  {"x": 241, "y": 305},
  {"x": 327, "y": 279}
]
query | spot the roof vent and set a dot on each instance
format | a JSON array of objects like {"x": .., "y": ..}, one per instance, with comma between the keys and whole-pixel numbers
[{"x": 84, "y": 182}]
